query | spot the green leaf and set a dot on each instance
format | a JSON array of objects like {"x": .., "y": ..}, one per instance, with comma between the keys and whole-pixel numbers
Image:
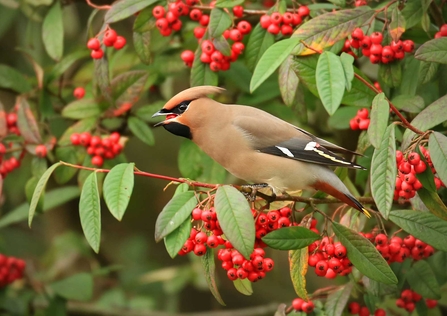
[
  {"x": 175, "y": 240},
  {"x": 363, "y": 255},
  {"x": 128, "y": 86},
  {"x": 243, "y": 286},
  {"x": 348, "y": 69},
  {"x": 53, "y": 32},
  {"x": 290, "y": 238},
  {"x": 380, "y": 113},
  {"x": 85, "y": 125},
  {"x": 409, "y": 103},
  {"x": 258, "y": 42},
  {"x": 40, "y": 187},
  {"x": 235, "y": 218},
  {"x": 118, "y": 187},
  {"x": 337, "y": 300},
  {"x": 222, "y": 45},
  {"x": 81, "y": 109},
  {"x": 53, "y": 199},
  {"x": 228, "y": 3},
  {"x": 432, "y": 115},
  {"x": 397, "y": 25},
  {"x": 27, "y": 123},
  {"x": 288, "y": 81},
  {"x": 433, "y": 202},
  {"x": 427, "y": 71},
  {"x": 29, "y": 190},
  {"x": 424, "y": 226},
  {"x": 298, "y": 269},
  {"x": 270, "y": 60},
  {"x": 62, "y": 66},
  {"x": 434, "y": 51},
  {"x": 141, "y": 130},
  {"x": 142, "y": 45},
  {"x": 201, "y": 74},
  {"x": 177, "y": 210},
  {"x": 379, "y": 289},
  {"x": 90, "y": 211},
  {"x": 14, "y": 80},
  {"x": 437, "y": 145},
  {"x": 423, "y": 281},
  {"x": 341, "y": 117},
  {"x": 391, "y": 74},
  {"x": 209, "y": 269},
  {"x": 219, "y": 22},
  {"x": 71, "y": 155},
  {"x": 383, "y": 172},
  {"x": 412, "y": 12},
  {"x": 144, "y": 22},
  {"x": 330, "y": 88},
  {"x": 77, "y": 287},
  {"x": 124, "y": 8},
  {"x": 327, "y": 29}
]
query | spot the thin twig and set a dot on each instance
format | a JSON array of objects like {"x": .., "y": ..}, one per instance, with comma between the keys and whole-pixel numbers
[{"x": 99, "y": 7}]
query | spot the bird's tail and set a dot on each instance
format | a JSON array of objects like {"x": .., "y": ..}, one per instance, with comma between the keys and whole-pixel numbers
[{"x": 358, "y": 205}]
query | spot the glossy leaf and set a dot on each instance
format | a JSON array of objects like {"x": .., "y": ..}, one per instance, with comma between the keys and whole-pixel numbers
[
  {"x": 427, "y": 71},
  {"x": 29, "y": 190},
  {"x": 27, "y": 123},
  {"x": 383, "y": 172},
  {"x": 423, "y": 281},
  {"x": 437, "y": 145},
  {"x": 228, "y": 3},
  {"x": 433, "y": 203},
  {"x": 124, "y": 8},
  {"x": 290, "y": 238},
  {"x": 14, "y": 80},
  {"x": 77, "y": 287},
  {"x": 235, "y": 218},
  {"x": 222, "y": 45},
  {"x": 38, "y": 191},
  {"x": 243, "y": 286},
  {"x": 142, "y": 42},
  {"x": 90, "y": 211},
  {"x": 81, "y": 109},
  {"x": 391, "y": 74},
  {"x": 118, "y": 187},
  {"x": 175, "y": 240},
  {"x": 128, "y": 86},
  {"x": 298, "y": 269},
  {"x": 431, "y": 116},
  {"x": 65, "y": 63},
  {"x": 397, "y": 25},
  {"x": 209, "y": 269},
  {"x": 270, "y": 61},
  {"x": 363, "y": 255},
  {"x": 348, "y": 69},
  {"x": 329, "y": 86},
  {"x": 337, "y": 300},
  {"x": 380, "y": 113},
  {"x": 424, "y": 226},
  {"x": 328, "y": 28},
  {"x": 53, "y": 32},
  {"x": 219, "y": 22},
  {"x": 201, "y": 74},
  {"x": 141, "y": 130},
  {"x": 288, "y": 82},
  {"x": 409, "y": 103},
  {"x": 258, "y": 42},
  {"x": 177, "y": 210},
  {"x": 434, "y": 51}
]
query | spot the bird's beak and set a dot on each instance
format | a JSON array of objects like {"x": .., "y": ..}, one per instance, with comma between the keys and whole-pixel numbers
[{"x": 164, "y": 112}]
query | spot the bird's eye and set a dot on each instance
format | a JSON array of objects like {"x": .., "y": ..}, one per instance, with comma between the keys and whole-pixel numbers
[{"x": 182, "y": 107}]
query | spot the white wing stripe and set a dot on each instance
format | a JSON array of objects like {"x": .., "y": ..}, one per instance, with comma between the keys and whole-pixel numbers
[{"x": 285, "y": 151}]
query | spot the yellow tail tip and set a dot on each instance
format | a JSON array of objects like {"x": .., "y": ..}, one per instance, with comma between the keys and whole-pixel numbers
[{"x": 365, "y": 211}]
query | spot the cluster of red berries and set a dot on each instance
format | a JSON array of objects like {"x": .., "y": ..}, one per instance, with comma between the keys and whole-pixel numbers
[
  {"x": 97, "y": 147},
  {"x": 442, "y": 31},
  {"x": 371, "y": 46},
  {"x": 408, "y": 166},
  {"x": 284, "y": 23},
  {"x": 409, "y": 298},
  {"x": 11, "y": 123},
  {"x": 355, "y": 308},
  {"x": 397, "y": 249},
  {"x": 110, "y": 38},
  {"x": 12, "y": 163},
  {"x": 212, "y": 56},
  {"x": 79, "y": 92},
  {"x": 170, "y": 21},
  {"x": 361, "y": 120},
  {"x": 11, "y": 269},
  {"x": 300, "y": 305}
]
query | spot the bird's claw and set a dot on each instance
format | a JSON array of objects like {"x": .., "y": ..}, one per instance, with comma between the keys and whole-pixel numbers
[{"x": 250, "y": 191}]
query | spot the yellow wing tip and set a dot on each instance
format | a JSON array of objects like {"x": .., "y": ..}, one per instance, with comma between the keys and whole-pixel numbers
[{"x": 365, "y": 211}]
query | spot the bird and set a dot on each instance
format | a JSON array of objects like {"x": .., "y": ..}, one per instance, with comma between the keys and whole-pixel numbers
[{"x": 256, "y": 146}]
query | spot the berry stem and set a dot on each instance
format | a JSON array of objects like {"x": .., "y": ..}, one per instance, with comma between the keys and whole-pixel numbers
[{"x": 98, "y": 7}]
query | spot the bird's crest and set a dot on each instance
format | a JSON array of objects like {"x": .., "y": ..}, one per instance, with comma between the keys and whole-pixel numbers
[{"x": 192, "y": 94}]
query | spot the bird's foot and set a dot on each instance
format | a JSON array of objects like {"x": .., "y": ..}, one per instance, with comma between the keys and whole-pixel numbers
[{"x": 252, "y": 190}]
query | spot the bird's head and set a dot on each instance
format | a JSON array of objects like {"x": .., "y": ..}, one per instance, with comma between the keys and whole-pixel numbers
[{"x": 182, "y": 110}]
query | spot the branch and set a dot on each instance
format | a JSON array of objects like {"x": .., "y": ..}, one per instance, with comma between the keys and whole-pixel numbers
[{"x": 99, "y": 7}]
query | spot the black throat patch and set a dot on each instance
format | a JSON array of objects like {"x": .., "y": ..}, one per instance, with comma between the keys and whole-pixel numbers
[{"x": 178, "y": 129}]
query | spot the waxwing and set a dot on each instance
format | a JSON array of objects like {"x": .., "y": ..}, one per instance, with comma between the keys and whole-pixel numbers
[{"x": 256, "y": 146}]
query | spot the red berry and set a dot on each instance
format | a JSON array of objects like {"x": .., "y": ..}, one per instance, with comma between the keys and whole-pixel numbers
[
  {"x": 363, "y": 113},
  {"x": 235, "y": 35},
  {"x": 176, "y": 25},
  {"x": 428, "y": 251},
  {"x": 443, "y": 30},
  {"x": 414, "y": 158},
  {"x": 354, "y": 308},
  {"x": 196, "y": 214},
  {"x": 420, "y": 244},
  {"x": 357, "y": 34},
  {"x": 188, "y": 246},
  {"x": 420, "y": 167},
  {"x": 365, "y": 42},
  {"x": 340, "y": 251},
  {"x": 97, "y": 161},
  {"x": 397, "y": 46},
  {"x": 364, "y": 311},
  {"x": 286, "y": 30},
  {"x": 120, "y": 42},
  {"x": 322, "y": 266},
  {"x": 268, "y": 264},
  {"x": 97, "y": 54},
  {"x": 110, "y": 37},
  {"x": 204, "y": 20},
  {"x": 387, "y": 52},
  {"x": 75, "y": 139},
  {"x": 195, "y": 14},
  {"x": 431, "y": 303},
  {"x": 308, "y": 307},
  {"x": 374, "y": 59},
  {"x": 79, "y": 92},
  {"x": 330, "y": 274},
  {"x": 376, "y": 49},
  {"x": 408, "y": 46},
  {"x": 265, "y": 21},
  {"x": 187, "y": 56},
  {"x": 409, "y": 307},
  {"x": 283, "y": 222},
  {"x": 297, "y": 304},
  {"x": 303, "y": 11},
  {"x": 41, "y": 151},
  {"x": 93, "y": 44},
  {"x": 199, "y": 249},
  {"x": 376, "y": 38},
  {"x": 241, "y": 273},
  {"x": 244, "y": 27},
  {"x": 201, "y": 238},
  {"x": 296, "y": 19},
  {"x": 238, "y": 11},
  {"x": 158, "y": 12},
  {"x": 276, "y": 18},
  {"x": 238, "y": 47}
]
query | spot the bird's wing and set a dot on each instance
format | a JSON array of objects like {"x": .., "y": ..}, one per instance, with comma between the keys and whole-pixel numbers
[{"x": 271, "y": 135}]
